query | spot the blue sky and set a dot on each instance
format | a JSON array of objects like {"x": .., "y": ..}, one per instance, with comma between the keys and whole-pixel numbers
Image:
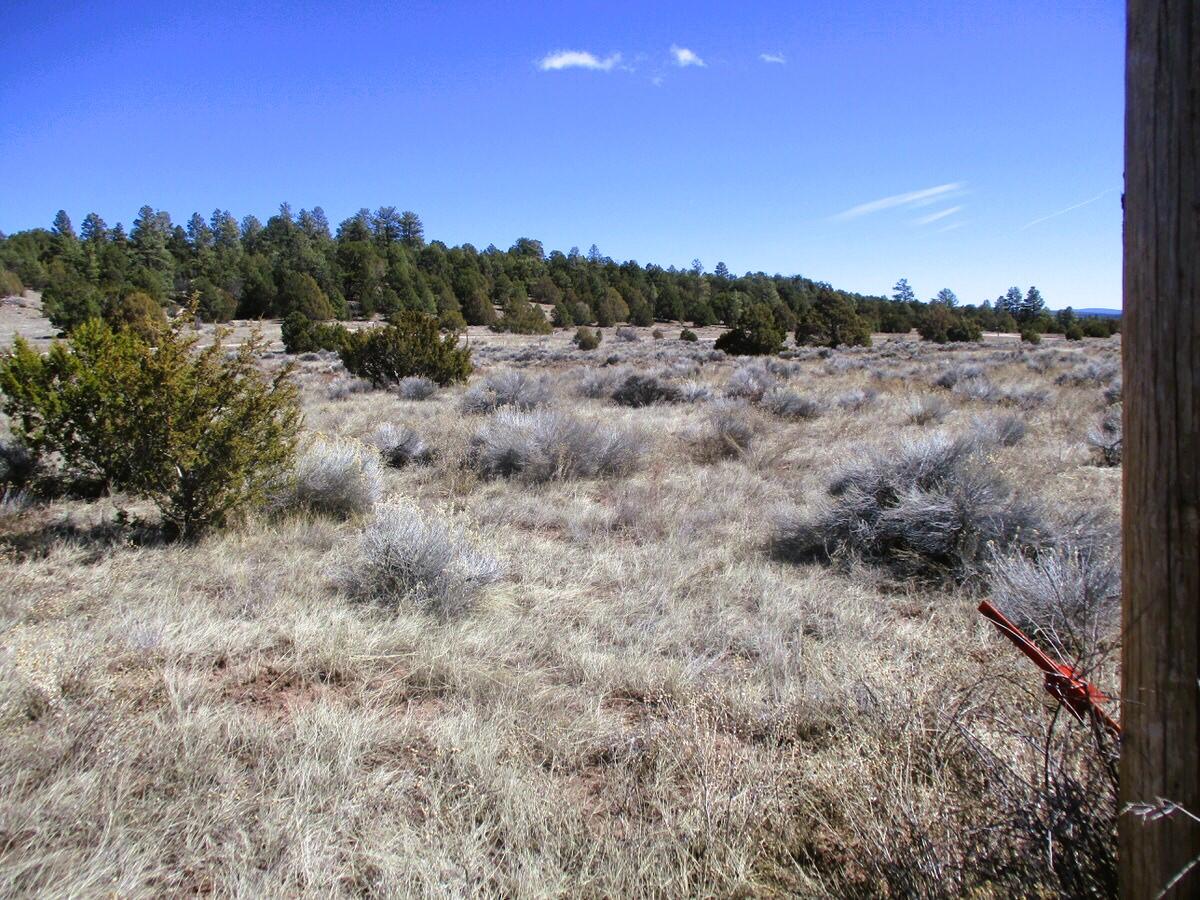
[{"x": 965, "y": 144}]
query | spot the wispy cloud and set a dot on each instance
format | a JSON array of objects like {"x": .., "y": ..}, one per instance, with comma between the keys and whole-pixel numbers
[
  {"x": 777, "y": 58},
  {"x": 933, "y": 217},
  {"x": 685, "y": 57},
  {"x": 912, "y": 198},
  {"x": 577, "y": 59},
  {"x": 1068, "y": 209}
]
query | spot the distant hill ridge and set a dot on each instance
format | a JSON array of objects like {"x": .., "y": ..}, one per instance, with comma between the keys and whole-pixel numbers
[{"x": 1098, "y": 311}]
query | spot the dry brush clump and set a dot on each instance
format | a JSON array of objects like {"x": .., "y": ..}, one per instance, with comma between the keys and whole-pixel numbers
[
  {"x": 1003, "y": 430},
  {"x": 404, "y": 559},
  {"x": 335, "y": 477},
  {"x": 544, "y": 445},
  {"x": 644, "y": 390},
  {"x": 728, "y": 431},
  {"x": 416, "y": 387},
  {"x": 511, "y": 388},
  {"x": 1067, "y": 597},
  {"x": 400, "y": 445},
  {"x": 931, "y": 508},
  {"x": 750, "y": 382},
  {"x": 927, "y": 409},
  {"x": 1105, "y": 438},
  {"x": 787, "y": 404}
]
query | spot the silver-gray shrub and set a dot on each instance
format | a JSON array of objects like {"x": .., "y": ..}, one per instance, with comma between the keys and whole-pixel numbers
[
  {"x": 333, "y": 477},
  {"x": 598, "y": 384},
  {"x": 348, "y": 387},
  {"x": 1095, "y": 372},
  {"x": 975, "y": 388},
  {"x": 1066, "y": 597},
  {"x": 404, "y": 559},
  {"x": 1105, "y": 437},
  {"x": 1112, "y": 393},
  {"x": 956, "y": 373},
  {"x": 513, "y": 388},
  {"x": 1023, "y": 396},
  {"x": 1004, "y": 430},
  {"x": 928, "y": 409},
  {"x": 416, "y": 387},
  {"x": 543, "y": 445},
  {"x": 932, "y": 509},
  {"x": 790, "y": 405},
  {"x": 749, "y": 382},
  {"x": 644, "y": 390},
  {"x": 856, "y": 399},
  {"x": 400, "y": 445},
  {"x": 694, "y": 392},
  {"x": 727, "y": 432}
]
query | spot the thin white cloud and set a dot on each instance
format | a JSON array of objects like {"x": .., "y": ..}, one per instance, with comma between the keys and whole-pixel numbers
[
  {"x": 912, "y": 198},
  {"x": 951, "y": 227},
  {"x": 777, "y": 58},
  {"x": 1067, "y": 210},
  {"x": 933, "y": 217},
  {"x": 685, "y": 57},
  {"x": 577, "y": 59}
]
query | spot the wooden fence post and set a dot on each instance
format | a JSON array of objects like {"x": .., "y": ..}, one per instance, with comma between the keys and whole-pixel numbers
[{"x": 1160, "y": 754}]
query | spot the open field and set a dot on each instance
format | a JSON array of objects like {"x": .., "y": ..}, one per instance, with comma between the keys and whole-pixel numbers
[{"x": 645, "y": 695}]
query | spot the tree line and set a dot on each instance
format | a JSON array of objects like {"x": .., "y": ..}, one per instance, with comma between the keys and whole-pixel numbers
[{"x": 380, "y": 264}]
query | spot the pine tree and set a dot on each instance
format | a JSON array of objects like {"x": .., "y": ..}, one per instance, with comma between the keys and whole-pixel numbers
[
  {"x": 1032, "y": 306},
  {"x": 412, "y": 232},
  {"x": 902, "y": 292},
  {"x": 62, "y": 225},
  {"x": 946, "y": 297}
]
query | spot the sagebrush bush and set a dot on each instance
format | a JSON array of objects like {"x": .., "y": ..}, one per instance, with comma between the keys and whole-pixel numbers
[
  {"x": 411, "y": 343},
  {"x": 403, "y": 559},
  {"x": 400, "y": 445},
  {"x": 688, "y": 335},
  {"x": 931, "y": 509},
  {"x": 948, "y": 378},
  {"x": 1001, "y": 430},
  {"x": 644, "y": 390},
  {"x": 508, "y": 388},
  {"x": 598, "y": 384},
  {"x": 542, "y": 445},
  {"x": 1105, "y": 437},
  {"x": 926, "y": 410},
  {"x": 975, "y": 388},
  {"x": 857, "y": 399},
  {"x": 416, "y": 387},
  {"x": 1093, "y": 372},
  {"x": 201, "y": 434},
  {"x": 694, "y": 392},
  {"x": 342, "y": 388},
  {"x": 750, "y": 382},
  {"x": 727, "y": 433},
  {"x": 627, "y": 334},
  {"x": 1067, "y": 597},
  {"x": 333, "y": 477},
  {"x": 789, "y": 405},
  {"x": 1023, "y": 396}
]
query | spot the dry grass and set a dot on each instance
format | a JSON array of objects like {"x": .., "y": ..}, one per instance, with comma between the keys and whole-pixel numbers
[{"x": 635, "y": 700}]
